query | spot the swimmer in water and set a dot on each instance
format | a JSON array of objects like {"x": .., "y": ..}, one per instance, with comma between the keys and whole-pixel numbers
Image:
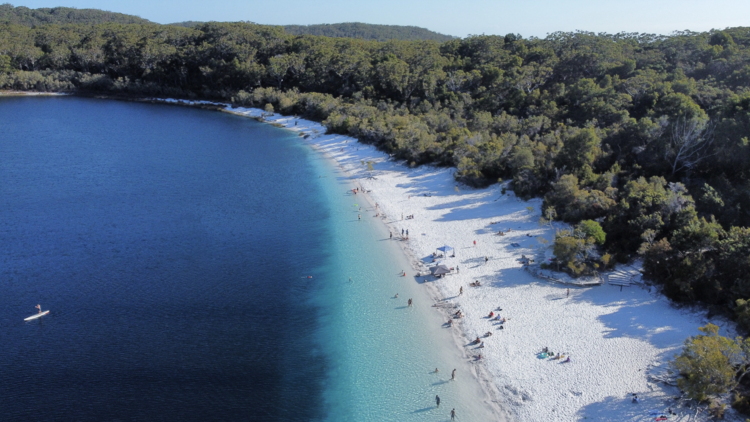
[{"x": 396, "y": 297}]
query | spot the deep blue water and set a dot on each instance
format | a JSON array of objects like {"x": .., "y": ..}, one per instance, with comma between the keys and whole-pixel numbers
[
  {"x": 173, "y": 248},
  {"x": 170, "y": 245}
]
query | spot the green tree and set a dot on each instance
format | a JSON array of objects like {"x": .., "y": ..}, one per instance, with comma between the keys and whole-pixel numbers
[
  {"x": 579, "y": 150},
  {"x": 592, "y": 230},
  {"x": 710, "y": 364}
]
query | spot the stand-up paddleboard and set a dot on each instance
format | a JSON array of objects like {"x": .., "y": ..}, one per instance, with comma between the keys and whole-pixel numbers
[
  {"x": 39, "y": 315},
  {"x": 36, "y": 316}
]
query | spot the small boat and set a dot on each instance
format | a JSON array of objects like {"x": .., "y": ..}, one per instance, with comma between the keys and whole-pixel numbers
[{"x": 39, "y": 315}]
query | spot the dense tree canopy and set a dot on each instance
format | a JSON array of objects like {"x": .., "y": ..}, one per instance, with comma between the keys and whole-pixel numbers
[
  {"x": 368, "y": 31},
  {"x": 60, "y": 15},
  {"x": 645, "y": 135}
]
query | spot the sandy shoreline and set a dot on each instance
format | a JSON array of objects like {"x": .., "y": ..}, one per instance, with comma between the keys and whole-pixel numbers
[{"x": 619, "y": 335}]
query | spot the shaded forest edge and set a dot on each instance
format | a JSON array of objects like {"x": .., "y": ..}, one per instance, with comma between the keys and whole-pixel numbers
[{"x": 642, "y": 136}]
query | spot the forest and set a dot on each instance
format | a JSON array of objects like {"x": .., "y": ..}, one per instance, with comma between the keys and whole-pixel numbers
[
  {"x": 367, "y": 31},
  {"x": 62, "y": 15},
  {"x": 640, "y": 141},
  {"x": 359, "y": 30}
]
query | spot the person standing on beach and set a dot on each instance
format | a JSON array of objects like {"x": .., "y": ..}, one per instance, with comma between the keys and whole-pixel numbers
[
  {"x": 475, "y": 243},
  {"x": 568, "y": 295},
  {"x": 453, "y": 414},
  {"x": 437, "y": 400},
  {"x": 390, "y": 234},
  {"x": 409, "y": 302},
  {"x": 486, "y": 260},
  {"x": 461, "y": 291},
  {"x": 453, "y": 375}
]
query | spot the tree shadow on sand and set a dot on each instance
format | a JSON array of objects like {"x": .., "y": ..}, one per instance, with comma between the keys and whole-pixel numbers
[{"x": 616, "y": 409}]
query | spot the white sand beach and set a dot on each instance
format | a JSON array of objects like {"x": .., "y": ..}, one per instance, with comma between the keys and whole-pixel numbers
[{"x": 618, "y": 335}]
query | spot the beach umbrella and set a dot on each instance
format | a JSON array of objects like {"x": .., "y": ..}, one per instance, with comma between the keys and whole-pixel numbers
[{"x": 440, "y": 269}]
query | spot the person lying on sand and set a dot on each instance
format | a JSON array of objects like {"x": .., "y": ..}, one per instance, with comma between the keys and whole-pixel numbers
[
  {"x": 492, "y": 314},
  {"x": 477, "y": 341},
  {"x": 488, "y": 333}
]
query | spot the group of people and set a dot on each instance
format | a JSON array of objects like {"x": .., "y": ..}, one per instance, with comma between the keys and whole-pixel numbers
[
  {"x": 437, "y": 397},
  {"x": 547, "y": 353},
  {"x": 475, "y": 284},
  {"x": 410, "y": 217}
]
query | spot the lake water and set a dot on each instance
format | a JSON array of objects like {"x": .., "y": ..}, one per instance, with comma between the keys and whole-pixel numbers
[{"x": 174, "y": 248}]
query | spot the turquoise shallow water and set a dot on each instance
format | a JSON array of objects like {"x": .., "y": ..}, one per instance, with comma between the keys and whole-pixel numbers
[
  {"x": 173, "y": 246},
  {"x": 382, "y": 352}
]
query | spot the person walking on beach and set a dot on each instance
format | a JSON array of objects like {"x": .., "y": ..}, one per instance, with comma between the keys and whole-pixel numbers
[
  {"x": 461, "y": 291},
  {"x": 485, "y": 260},
  {"x": 453, "y": 414},
  {"x": 475, "y": 243},
  {"x": 409, "y": 302},
  {"x": 453, "y": 375},
  {"x": 437, "y": 400},
  {"x": 391, "y": 235},
  {"x": 402, "y": 232},
  {"x": 568, "y": 295}
]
